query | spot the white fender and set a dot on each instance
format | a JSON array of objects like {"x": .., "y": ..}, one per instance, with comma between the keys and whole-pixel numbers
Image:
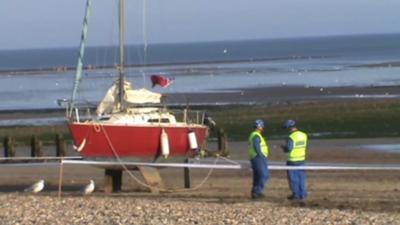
[
  {"x": 81, "y": 146},
  {"x": 164, "y": 143},
  {"x": 193, "y": 140}
]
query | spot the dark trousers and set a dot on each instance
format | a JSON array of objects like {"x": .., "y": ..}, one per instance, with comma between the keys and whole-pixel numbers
[
  {"x": 259, "y": 164},
  {"x": 297, "y": 181}
]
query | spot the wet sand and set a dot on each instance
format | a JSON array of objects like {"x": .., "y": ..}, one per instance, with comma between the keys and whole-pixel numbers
[{"x": 289, "y": 94}]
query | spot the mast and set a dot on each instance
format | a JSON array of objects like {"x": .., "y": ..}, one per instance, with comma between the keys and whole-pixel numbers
[{"x": 121, "y": 53}]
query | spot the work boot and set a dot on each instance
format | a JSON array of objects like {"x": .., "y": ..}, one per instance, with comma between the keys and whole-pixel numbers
[
  {"x": 257, "y": 196},
  {"x": 290, "y": 197},
  {"x": 293, "y": 198}
]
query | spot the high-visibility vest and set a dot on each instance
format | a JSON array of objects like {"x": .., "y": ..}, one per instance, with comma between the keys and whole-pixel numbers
[
  {"x": 298, "y": 152},
  {"x": 263, "y": 145}
]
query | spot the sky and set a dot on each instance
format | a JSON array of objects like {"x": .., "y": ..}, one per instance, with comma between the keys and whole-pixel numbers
[{"x": 26, "y": 24}]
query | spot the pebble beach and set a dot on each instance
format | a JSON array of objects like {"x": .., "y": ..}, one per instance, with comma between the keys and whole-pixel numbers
[
  {"x": 335, "y": 197},
  {"x": 17, "y": 209}
]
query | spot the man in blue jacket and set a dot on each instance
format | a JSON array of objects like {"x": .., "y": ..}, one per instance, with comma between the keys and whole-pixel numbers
[
  {"x": 258, "y": 153},
  {"x": 296, "y": 147}
]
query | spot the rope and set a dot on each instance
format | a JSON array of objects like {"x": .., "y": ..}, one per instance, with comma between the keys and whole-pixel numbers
[
  {"x": 144, "y": 184},
  {"x": 206, "y": 178},
  {"x": 229, "y": 160},
  {"x": 119, "y": 159},
  {"x": 96, "y": 127},
  {"x": 198, "y": 186}
]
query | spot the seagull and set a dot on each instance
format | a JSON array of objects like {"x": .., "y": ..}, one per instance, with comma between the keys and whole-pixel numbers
[
  {"x": 36, "y": 187},
  {"x": 88, "y": 188}
]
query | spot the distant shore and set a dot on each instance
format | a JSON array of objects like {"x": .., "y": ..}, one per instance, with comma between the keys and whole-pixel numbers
[{"x": 64, "y": 68}]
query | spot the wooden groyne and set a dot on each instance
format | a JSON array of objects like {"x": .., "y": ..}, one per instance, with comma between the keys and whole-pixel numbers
[
  {"x": 112, "y": 177},
  {"x": 36, "y": 146}
]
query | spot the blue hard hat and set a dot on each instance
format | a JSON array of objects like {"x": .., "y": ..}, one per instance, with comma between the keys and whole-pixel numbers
[
  {"x": 289, "y": 124},
  {"x": 259, "y": 124}
]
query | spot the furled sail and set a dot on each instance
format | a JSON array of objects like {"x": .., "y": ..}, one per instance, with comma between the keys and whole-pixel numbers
[
  {"x": 111, "y": 104},
  {"x": 78, "y": 74}
]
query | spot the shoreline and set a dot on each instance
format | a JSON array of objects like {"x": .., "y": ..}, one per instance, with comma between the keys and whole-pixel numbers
[
  {"x": 297, "y": 94},
  {"x": 257, "y": 96}
]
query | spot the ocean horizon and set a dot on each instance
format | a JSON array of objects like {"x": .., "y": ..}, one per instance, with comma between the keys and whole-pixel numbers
[{"x": 381, "y": 45}]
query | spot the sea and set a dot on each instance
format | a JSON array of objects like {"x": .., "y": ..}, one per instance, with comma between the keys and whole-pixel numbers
[{"x": 37, "y": 78}]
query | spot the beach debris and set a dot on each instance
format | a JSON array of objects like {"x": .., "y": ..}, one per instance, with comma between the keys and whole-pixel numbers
[
  {"x": 88, "y": 189},
  {"x": 36, "y": 187}
]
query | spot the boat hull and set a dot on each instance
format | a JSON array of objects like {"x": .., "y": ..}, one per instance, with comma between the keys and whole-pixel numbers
[{"x": 106, "y": 140}]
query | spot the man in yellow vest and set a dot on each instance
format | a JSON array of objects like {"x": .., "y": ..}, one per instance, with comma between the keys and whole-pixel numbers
[
  {"x": 296, "y": 147},
  {"x": 258, "y": 153}
]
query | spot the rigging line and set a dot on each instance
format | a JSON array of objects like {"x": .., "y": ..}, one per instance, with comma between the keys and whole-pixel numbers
[
  {"x": 144, "y": 37},
  {"x": 110, "y": 55},
  {"x": 119, "y": 159}
]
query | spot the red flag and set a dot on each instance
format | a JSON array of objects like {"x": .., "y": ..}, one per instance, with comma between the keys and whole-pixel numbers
[{"x": 160, "y": 80}]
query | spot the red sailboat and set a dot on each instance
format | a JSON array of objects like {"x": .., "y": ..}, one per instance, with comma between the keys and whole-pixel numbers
[{"x": 129, "y": 122}]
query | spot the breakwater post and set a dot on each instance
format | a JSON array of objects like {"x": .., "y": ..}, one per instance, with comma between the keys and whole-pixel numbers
[
  {"x": 222, "y": 142},
  {"x": 9, "y": 146},
  {"x": 61, "y": 146},
  {"x": 36, "y": 147}
]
